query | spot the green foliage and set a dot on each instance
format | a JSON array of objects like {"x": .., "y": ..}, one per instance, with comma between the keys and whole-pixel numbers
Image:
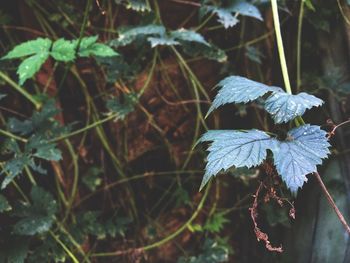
[
  {"x": 136, "y": 5},
  {"x": 92, "y": 179},
  {"x": 41, "y": 127},
  {"x": 61, "y": 50},
  {"x": 4, "y": 204},
  {"x": 216, "y": 223},
  {"x": 92, "y": 223},
  {"x": 14, "y": 249},
  {"x": 37, "y": 217},
  {"x": 122, "y": 106},
  {"x": 192, "y": 42},
  {"x": 211, "y": 252}
]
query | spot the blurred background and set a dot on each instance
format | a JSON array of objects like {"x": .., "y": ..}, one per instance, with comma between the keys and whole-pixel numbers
[{"x": 127, "y": 186}]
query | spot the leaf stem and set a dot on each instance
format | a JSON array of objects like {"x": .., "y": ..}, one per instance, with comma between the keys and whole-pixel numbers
[{"x": 280, "y": 46}]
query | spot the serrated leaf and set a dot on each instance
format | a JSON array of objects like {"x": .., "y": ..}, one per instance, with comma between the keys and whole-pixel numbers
[
  {"x": 227, "y": 15},
  {"x": 38, "y": 123},
  {"x": 98, "y": 50},
  {"x": 246, "y": 9},
  {"x": 129, "y": 35},
  {"x": 124, "y": 107},
  {"x": 37, "y": 46},
  {"x": 136, "y": 5},
  {"x": 299, "y": 155},
  {"x": 63, "y": 50},
  {"x": 13, "y": 168},
  {"x": 162, "y": 41},
  {"x": 285, "y": 107},
  {"x": 4, "y": 204},
  {"x": 254, "y": 54},
  {"x": 38, "y": 217},
  {"x": 236, "y": 89},
  {"x": 30, "y": 66},
  {"x": 14, "y": 249},
  {"x": 211, "y": 52},
  {"x": 89, "y": 47},
  {"x": 48, "y": 151},
  {"x": 188, "y": 36},
  {"x": 234, "y": 148},
  {"x": 92, "y": 180},
  {"x": 211, "y": 252}
]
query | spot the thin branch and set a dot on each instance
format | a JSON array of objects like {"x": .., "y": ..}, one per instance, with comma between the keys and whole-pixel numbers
[{"x": 332, "y": 203}]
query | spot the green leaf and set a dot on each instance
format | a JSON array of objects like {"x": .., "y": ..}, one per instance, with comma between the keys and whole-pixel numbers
[
  {"x": 4, "y": 204},
  {"x": 30, "y": 66},
  {"x": 285, "y": 107},
  {"x": 136, "y": 5},
  {"x": 63, "y": 50},
  {"x": 14, "y": 249},
  {"x": 234, "y": 148},
  {"x": 101, "y": 50},
  {"x": 92, "y": 180},
  {"x": 89, "y": 47},
  {"x": 14, "y": 168},
  {"x": 48, "y": 247},
  {"x": 299, "y": 155},
  {"x": 37, "y": 46},
  {"x": 38, "y": 217},
  {"x": 124, "y": 107},
  {"x": 39, "y": 123},
  {"x": 211, "y": 252},
  {"x": 41, "y": 148},
  {"x": 216, "y": 223}
]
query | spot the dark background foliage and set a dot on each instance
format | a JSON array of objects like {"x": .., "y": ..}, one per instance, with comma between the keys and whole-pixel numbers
[{"x": 127, "y": 190}]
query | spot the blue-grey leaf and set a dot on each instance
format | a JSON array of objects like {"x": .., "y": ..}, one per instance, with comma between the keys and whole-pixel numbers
[
  {"x": 299, "y": 155},
  {"x": 246, "y": 9},
  {"x": 189, "y": 36},
  {"x": 285, "y": 107},
  {"x": 236, "y": 89},
  {"x": 162, "y": 41},
  {"x": 234, "y": 148},
  {"x": 225, "y": 17},
  {"x": 129, "y": 35}
]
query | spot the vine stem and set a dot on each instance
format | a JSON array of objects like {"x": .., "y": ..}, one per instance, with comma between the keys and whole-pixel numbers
[
  {"x": 300, "y": 28},
  {"x": 284, "y": 68},
  {"x": 300, "y": 120},
  {"x": 21, "y": 90},
  {"x": 332, "y": 203}
]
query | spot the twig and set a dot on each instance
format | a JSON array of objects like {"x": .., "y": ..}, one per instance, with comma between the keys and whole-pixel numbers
[
  {"x": 332, "y": 203},
  {"x": 332, "y": 132}
]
